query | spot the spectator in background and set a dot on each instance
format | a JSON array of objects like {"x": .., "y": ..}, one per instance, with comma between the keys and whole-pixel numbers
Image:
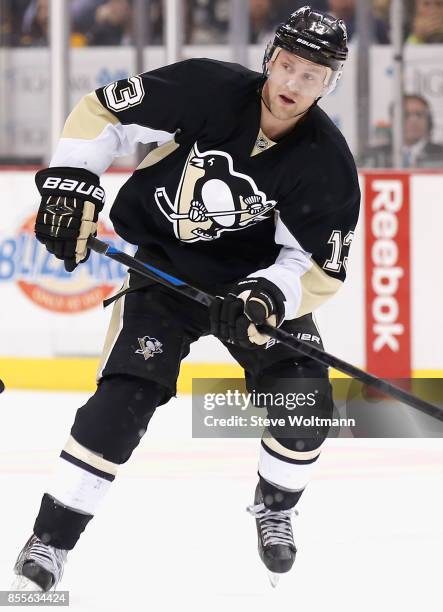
[
  {"x": 263, "y": 21},
  {"x": 209, "y": 19},
  {"x": 155, "y": 22},
  {"x": 83, "y": 13},
  {"x": 35, "y": 24},
  {"x": 419, "y": 151},
  {"x": 346, "y": 10},
  {"x": 34, "y": 31},
  {"x": 11, "y": 18},
  {"x": 381, "y": 9},
  {"x": 427, "y": 22},
  {"x": 113, "y": 24},
  {"x": 207, "y": 22},
  {"x": 284, "y": 7}
]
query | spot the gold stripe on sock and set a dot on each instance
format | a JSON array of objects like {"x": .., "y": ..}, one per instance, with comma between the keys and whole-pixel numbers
[{"x": 94, "y": 459}]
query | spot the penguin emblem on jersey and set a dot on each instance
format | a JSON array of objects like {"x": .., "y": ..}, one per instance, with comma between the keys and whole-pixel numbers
[
  {"x": 149, "y": 347},
  {"x": 212, "y": 198}
]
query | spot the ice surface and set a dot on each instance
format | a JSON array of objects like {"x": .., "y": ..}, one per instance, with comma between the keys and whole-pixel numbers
[{"x": 173, "y": 533}]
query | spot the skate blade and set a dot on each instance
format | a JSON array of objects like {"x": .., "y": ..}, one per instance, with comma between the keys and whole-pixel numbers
[
  {"x": 273, "y": 579},
  {"x": 21, "y": 583}
]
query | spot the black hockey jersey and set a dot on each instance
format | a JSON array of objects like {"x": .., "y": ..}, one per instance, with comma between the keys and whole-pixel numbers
[{"x": 217, "y": 200}]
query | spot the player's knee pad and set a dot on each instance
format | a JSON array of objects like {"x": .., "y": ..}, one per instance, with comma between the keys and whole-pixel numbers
[
  {"x": 299, "y": 393},
  {"x": 115, "y": 418}
]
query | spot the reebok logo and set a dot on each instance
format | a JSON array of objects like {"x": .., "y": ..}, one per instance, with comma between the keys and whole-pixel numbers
[{"x": 386, "y": 274}]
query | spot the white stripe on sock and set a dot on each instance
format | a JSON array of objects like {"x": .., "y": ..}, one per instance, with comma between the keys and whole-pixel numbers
[
  {"x": 290, "y": 476},
  {"x": 76, "y": 488}
]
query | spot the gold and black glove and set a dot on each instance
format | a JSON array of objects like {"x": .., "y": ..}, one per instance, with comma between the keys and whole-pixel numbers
[
  {"x": 71, "y": 201},
  {"x": 250, "y": 302}
]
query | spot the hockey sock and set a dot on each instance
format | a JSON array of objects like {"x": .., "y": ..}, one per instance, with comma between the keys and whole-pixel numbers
[
  {"x": 80, "y": 482},
  {"x": 284, "y": 473}
]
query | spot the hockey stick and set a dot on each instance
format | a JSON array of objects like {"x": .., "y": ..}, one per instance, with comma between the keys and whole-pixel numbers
[
  {"x": 161, "y": 193},
  {"x": 220, "y": 213},
  {"x": 278, "y": 334}
]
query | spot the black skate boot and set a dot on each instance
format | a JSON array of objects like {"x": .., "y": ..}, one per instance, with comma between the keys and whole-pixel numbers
[
  {"x": 275, "y": 538},
  {"x": 39, "y": 567}
]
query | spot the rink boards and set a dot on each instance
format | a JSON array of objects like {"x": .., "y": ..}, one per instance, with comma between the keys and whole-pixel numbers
[{"x": 386, "y": 316}]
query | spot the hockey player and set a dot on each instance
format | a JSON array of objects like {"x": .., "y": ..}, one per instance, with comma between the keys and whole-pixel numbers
[{"x": 252, "y": 194}]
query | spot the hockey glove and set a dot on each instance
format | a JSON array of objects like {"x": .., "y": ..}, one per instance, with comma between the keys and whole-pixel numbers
[
  {"x": 251, "y": 302},
  {"x": 71, "y": 201}
]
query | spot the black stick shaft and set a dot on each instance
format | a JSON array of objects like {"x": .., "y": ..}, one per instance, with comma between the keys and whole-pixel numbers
[
  {"x": 369, "y": 379},
  {"x": 150, "y": 271},
  {"x": 278, "y": 334}
]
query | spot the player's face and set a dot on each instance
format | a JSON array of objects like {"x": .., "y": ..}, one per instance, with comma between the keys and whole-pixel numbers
[{"x": 293, "y": 85}]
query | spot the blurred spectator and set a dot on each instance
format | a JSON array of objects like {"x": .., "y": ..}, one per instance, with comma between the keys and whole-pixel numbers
[
  {"x": 419, "y": 151},
  {"x": 113, "y": 24},
  {"x": 82, "y": 13},
  {"x": 209, "y": 19},
  {"x": 346, "y": 10},
  {"x": 427, "y": 22},
  {"x": 207, "y": 22},
  {"x": 284, "y": 8},
  {"x": 155, "y": 22},
  {"x": 381, "y": 9},
  {"x": 11, "y": 17},
  {"x": 35, "y": 24},
  {"x": 263, "y": 20},
  {"x": 93, "y": 22}
]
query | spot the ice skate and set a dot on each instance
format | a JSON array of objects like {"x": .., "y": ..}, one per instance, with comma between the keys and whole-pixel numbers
[
  {"x": 275, "y": 538},
  {"x": 39, "y": 567}
]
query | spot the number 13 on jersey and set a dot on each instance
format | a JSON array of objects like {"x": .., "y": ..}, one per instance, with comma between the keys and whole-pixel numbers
[{"x": 336, "y": 261}]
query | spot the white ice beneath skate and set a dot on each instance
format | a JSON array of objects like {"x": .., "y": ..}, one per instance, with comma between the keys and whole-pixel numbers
[{"x": 21, "y": 583}]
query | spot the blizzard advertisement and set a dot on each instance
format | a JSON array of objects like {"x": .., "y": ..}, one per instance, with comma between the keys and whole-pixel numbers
[{"x": 43, "y": 280}]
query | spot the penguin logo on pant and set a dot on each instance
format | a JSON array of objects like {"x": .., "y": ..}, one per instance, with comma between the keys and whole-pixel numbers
[
  {"x": 212, "y": 198},
  {"x": 149, "y": 347}
]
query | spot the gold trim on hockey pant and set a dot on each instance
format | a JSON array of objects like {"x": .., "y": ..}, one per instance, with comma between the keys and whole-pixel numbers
[
  {"x": 114, "y": 329},
  {"x": 87, "y": 456}
]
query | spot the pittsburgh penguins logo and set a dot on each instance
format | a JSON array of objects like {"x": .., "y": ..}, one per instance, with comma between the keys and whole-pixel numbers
[
  {"x": 212, "y": 198},
  {"x": 149, "y": 347}
]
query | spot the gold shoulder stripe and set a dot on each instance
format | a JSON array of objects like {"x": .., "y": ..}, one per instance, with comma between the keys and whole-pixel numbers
[
  {"x": 317, "y": 287},
  {"x": 88, "y": 119},
  {"x": 156, "y": 155}
]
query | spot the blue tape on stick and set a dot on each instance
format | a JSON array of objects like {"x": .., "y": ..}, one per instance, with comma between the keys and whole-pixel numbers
[{"x": 174, "y": 281}]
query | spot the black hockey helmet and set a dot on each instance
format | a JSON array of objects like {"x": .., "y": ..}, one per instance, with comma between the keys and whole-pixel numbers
[{"x": 317, "y": 37}]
